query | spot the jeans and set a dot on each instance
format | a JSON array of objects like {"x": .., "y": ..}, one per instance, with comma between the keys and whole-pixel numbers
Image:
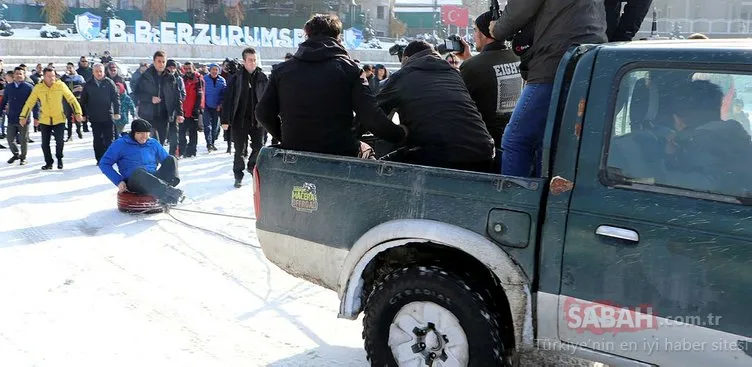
[
  {"x": 211, "y": 125},
  {"x": 2, "y": 123},
  {"x": 157, "y": 184},
  {"x": 240, "y": 139},
  {"x": 522, "y": 141},
  {"x": 14, "y": 132},
  {"x": 188, "y": 127},
  {"x": 58, "y": 131},
  {"x": 102, "y": 132}
]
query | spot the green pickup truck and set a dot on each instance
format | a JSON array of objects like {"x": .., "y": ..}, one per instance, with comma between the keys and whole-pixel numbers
[{"x": 634, "y": 249}]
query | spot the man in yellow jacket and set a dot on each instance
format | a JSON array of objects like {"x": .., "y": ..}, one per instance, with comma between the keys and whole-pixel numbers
[{"x": 50, "y": 95}]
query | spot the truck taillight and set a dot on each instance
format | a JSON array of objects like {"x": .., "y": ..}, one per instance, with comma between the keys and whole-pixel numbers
[{"x": 256, "y": 193}]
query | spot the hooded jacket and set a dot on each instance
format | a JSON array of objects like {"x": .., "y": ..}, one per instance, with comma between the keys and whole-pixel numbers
[
  {"x": 315, "y": 94},
  {"x": 436, "y": 107},
  {"x": 51, "y": 103},
  {"x": 151, "y": 84},
  {"x": 128, "y": 154},
  {"x": 558, "y": 24},
  {"x": 14, "y": 97}
]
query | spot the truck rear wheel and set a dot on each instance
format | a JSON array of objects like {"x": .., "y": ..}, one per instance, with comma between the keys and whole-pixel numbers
[{"x": 427, "y": 316}]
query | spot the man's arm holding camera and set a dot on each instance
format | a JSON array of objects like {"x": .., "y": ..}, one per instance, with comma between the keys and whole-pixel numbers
[{"x": 516, "y": 15}]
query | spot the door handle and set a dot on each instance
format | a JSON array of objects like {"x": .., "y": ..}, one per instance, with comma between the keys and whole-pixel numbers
[{"x": 619, "y": 233}]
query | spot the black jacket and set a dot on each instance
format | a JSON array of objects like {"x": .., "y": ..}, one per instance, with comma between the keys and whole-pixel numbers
[
  {"x": 623, "y": 27},
  {"x": 436, "y": 107},
  {"x": 232, "y": 104},
  {"x": 148, "y": 86},
  {"x": 99, "y": 101},
  {"x": 315, "y": 94},
  {"x": 494, "y": 81},
  {"x": 85, "y": 72}
]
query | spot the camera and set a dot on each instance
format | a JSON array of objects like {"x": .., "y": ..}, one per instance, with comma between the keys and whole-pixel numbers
[
  {"x": 397, "y": 50},
  {"x": 452, "y": 43}
]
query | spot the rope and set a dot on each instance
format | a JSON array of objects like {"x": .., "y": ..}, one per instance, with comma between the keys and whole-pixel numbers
[
  {"x": 169, "y": 212},
  {"x": 217, "y": 214}
]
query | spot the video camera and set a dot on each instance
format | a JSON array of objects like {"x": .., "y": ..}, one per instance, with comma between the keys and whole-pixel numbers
[
  {"x": 397, "y": 50},
  {"x": 452, "y": 44}
]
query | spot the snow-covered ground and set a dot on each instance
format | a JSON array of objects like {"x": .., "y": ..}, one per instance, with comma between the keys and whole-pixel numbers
[{"x": 82, "y": 284}]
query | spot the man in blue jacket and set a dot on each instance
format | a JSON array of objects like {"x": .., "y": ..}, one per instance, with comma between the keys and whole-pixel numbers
[
  {"x": 137, "y": 156},
  {"x": 215, "y": 86},
  {"x": 15, "y": 97}
]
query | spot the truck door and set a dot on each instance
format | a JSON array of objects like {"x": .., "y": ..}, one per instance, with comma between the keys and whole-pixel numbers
[{"x": 657, "y": 261}]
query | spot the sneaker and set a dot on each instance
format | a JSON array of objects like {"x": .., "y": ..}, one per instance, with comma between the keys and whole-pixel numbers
[
  {"x": 22, "y": 162},
  {"x": 59, "y": 164},
  {"x": 13, "y": 159},
  {"x": 47, "y": 167},
  {"x": 238, "y": 183}
]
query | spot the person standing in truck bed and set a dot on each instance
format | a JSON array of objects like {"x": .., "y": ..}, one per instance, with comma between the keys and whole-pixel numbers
[{"x": 315, "y": 94}]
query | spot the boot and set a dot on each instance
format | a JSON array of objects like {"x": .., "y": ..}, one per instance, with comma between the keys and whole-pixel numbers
[
  {"x": 22, "y": 162},
  {"x": 13, "y": 159},
  {"x": 229, "y": 149},
  {"x": 69, "y": 139},
  {"x": 238, "y": 183},
  {"x": 172, "y": 196},
  {"x": 80, "y": 136},
  {"x": 47, "y": 167},
  {"x": 3, "y": 146},
  {"x": 59, "y": 164}
]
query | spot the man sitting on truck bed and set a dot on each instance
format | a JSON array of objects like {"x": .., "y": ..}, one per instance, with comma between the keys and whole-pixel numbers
[
  {"x": 445, "y": 126},
  {"x": 315, "y": 94}
]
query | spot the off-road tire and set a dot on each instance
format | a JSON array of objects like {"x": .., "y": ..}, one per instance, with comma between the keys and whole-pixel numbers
[{"x": 436, "y": 285}]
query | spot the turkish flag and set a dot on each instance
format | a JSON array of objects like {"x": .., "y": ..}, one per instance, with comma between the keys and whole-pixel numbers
[{"x": 454, "y": 15}]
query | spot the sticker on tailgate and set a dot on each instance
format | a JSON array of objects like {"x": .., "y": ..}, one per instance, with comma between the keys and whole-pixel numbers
[{"x": 304, "y": 199}]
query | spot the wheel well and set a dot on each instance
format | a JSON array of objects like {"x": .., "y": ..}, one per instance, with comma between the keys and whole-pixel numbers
[{"x": 461, "y": 263}]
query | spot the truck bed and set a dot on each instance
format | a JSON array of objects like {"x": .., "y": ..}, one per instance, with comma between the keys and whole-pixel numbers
[{"x": 331, "y": 201}]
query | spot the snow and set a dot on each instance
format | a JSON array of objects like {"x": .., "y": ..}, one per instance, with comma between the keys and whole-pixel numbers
[{"x": 83, "y": 284}]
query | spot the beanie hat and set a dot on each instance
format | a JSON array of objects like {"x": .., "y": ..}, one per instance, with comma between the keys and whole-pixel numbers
[
  {"x": 483, "y": 22},
  {"x": 172, "y": 62},
  {"x": 214, "y": 65},
  {"x": 140, "y": 126}
]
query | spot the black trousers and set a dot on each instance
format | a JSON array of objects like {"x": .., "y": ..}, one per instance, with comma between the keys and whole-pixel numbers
[
  {"x": 58, "y": 131},
  {"x": 102, "y": 132},
  {"x": 189, "y": 127},
  {"x": 72, "y": 121},
  {"x": 164, "y": 129},
  {"x": 240, "y": 135},
  {"x": 143, "y": 182}
]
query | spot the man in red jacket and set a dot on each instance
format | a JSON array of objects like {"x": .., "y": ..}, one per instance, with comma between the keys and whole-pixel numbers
[{"x": 192, "y": 106}]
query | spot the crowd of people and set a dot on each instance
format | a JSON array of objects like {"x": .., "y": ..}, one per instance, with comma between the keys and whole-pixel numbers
[{"x": 456, "y": 111}]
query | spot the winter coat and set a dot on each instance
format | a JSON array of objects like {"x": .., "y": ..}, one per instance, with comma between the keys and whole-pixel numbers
[
  {"x": 713, "y": 157},
  {"x": 100, "y": 102},
  {"x": 315, "y": 93},
  {"x": 181, "y": 86},
  {"x": 623, "y": 26},
  {"x": 436, "y": 107},
  {"x": 14, "y": 97},
  {"x": 494, "y": 81},
  {"x": 51, "y": 103},
  {"x": 134, "y": 78},
  {"x": 215, "y": 90},
  {"x": 558, "y": 25},
  {"x": 129, "y": 155},
  {"x": 86, "y": 72},
  {"x": 233, "y": 107},
  {"x": 194, "y": 95},
  {"x": 127, "y": 108},
  {"x": 151, "y": 84}
]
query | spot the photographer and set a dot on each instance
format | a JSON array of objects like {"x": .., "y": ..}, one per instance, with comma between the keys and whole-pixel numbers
[
  {"x": 492, "y": 77},
  {"x": 557, "y": 25},
  {"x": 446, "y": 129}
]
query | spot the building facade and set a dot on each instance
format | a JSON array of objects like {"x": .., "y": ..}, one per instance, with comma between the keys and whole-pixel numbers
[
  {"x": 421, "y": 16},
  {"x": 716, "y": 18}
]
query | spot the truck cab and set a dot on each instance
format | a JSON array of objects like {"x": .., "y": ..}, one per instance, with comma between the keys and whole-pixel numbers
[{"x": 633, "y": 249}]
